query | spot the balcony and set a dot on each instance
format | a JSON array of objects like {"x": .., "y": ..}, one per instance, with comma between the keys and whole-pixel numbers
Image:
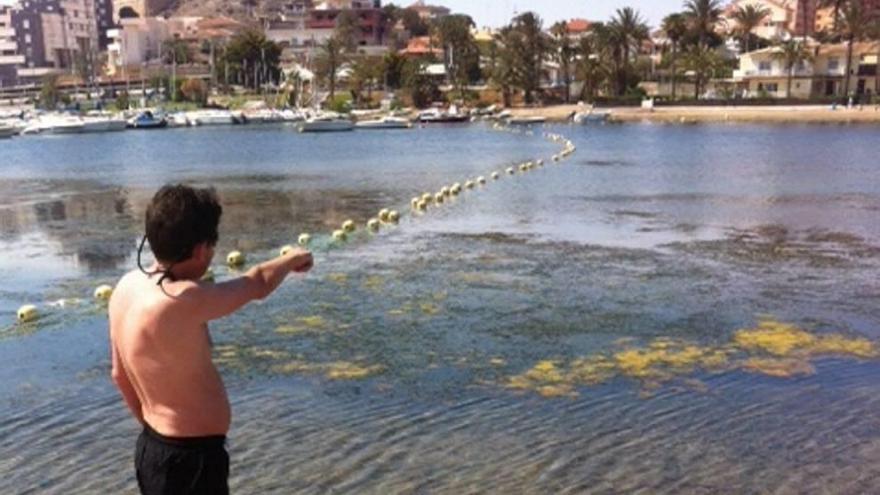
[{"x": 11, "y": 59}]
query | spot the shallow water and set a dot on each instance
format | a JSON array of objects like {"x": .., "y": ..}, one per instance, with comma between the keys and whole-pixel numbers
[{"x": 570, "y": 330}]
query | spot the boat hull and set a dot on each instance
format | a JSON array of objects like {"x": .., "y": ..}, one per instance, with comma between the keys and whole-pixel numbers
[{"x": 325, "y": 127}]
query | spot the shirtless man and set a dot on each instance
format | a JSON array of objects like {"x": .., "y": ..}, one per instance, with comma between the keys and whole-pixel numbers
[{"x": 161, "y": 349}]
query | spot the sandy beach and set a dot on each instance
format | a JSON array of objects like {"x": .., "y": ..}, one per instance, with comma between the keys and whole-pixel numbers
[{"x": 815, "y": 114}]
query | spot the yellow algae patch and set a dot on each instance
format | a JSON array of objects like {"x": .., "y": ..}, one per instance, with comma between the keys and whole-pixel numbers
[
  {"x": 562, "y": 390},
  {"x": 290, "y": 329},
  {"x": 779, "y": 367},
  {"x": 544, "y": 371},
  {"x": 429, "y": 309},
  {"x": 838, "y": 344},
  {"x": 351, "y": 371},
  {"x": 593, "y": 370},
  {"x": 783, "y": 340},
  {"x": 779, "y": 339},
  {"x": 316, "y": 321},
  {"x": 339, "y": 278},
  {"x": 374, "y": 283},
  {"x": 293, "y": 367}
]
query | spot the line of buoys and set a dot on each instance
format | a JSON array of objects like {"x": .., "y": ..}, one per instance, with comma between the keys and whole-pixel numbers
[
  {"x": 237, "y": 259},
  {"x": 103, "y": 292}
]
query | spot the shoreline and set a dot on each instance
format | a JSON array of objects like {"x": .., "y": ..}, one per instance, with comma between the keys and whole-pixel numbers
[{"x": 682, "y": 115}]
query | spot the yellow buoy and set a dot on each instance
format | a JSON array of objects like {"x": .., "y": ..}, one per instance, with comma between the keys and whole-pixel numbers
[
  {"x": 481, "y": 180},
  {"x": 422, "y": 206},
  {"x": 235, "y": 259},
  {"x": 383, "y": 214},
  {"x": 439, "y": 198},
  {"x": 27, "y": 313},
  {"x": 510, "y": 171},
  {"x": 523, "y": 168},
  {"x": 348, "y": 226},
  {"x": 339, "y": 235},
  {"x": 304, "y": 239},
  {"x": 444, "y": 191},
  {"x": 103, "y": 292},
  {"x": 393, "y": 216},
  {"x": 469, "y": 184},
  {"x": 427, "y": 197},
  {"x": 373, "y": 224},
  {"x": 540, "y": 163},
  {"x": 415, "y": 202},
  {"x": 286, "y": 250},
  {"x": 455, "y": 190},
  {"x": 555, "y": 158},
  {"x": 496, "y": 176}
]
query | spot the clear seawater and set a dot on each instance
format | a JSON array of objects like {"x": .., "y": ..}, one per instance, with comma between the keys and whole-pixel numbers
[{"x": 388, "y": 369}]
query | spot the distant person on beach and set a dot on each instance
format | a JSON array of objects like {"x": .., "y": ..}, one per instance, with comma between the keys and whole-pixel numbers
[{"x": 161, "y": 348}]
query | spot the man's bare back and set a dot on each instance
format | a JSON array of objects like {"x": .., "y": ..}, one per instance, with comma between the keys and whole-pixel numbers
[{"x": 167, "y": 359}]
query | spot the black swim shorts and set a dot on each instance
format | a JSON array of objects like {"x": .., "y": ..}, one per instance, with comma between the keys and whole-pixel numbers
[{"x": 178, "y": 466}]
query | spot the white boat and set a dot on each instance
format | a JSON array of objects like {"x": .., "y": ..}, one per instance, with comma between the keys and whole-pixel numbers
[
  {"x": 591, "y": 117},
  {"x": 211, "y": 117},
  {"x": 7, "y": 131},
  {"x": 536, "y": 120},
  {"x": 178, "y": 119},
  {"x": 387, "y": 122},
  {"x": 55, "y": 124},
  {"x": 436, "y": 116},
  {"x": 103, "y": 124},
  {"x": 326, "y": 123},
  {"x": 263, "y": 116},
  {"x": 290, "y": 116}
]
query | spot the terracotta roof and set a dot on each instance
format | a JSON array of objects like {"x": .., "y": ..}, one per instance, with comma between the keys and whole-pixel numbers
[
  {"x": 420, "y": 45},
  {"x": 578, "y": 26}
]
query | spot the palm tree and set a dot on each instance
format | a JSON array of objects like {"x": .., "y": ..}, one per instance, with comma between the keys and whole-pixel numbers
[
  {"x": 747, "y": 19},
  {"x": 565, "y": 54},
  {"x": 703, "y": 61},
  {"x": 628, "y": 31},
  {"x": 329, "y": 60},
  {"x": 792, "y": 53},
  {"x": 675, "y": 27},
  {"x": 703, "y": 16},
  {"x": 855, "y": 24},
  {"x": 837, "y": 5},
  {"x": 592, "y": 65}
]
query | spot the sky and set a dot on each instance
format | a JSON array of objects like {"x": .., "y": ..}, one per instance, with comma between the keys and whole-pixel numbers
[{"x": 497, "y": 13}]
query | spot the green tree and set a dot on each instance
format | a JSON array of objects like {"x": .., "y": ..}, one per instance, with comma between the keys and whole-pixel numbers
[
  {"x": 627, "y": 31},
  {"x": 50, "y": 95},
  {"x": 704, "y": 62},
  {"x": 421, "y": 88},
  {"x": 565, "y": 53},
  {"x": 414, "y": 23},
  {"x": 392, "y": 70},
  {"x": 675, "y": 27},
  {"x": 176, "y": 51},
  {"x": 253, "y": 59},
  {"x": 855, "y": 24},
  {"x": 592, "y": 67},
  {"x": 528, "y": 46},
  {"x": 462, "y": 56},
  {"x": 365, "y": 75},
  {"x": 328, "y": 61},
  {"x": 501, "y": 70},
  {"x": 748, "y": 18},
  {"x": 792, "y": 53},
  {"x": 347, "y": 29},
  {"x": 703, "y": 16}
]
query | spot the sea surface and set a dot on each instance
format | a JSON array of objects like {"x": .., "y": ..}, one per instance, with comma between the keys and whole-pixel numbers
[{"x": 669, "y": 310}]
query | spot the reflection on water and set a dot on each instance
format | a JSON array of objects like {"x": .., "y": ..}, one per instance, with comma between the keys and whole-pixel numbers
[{"x": 671, "y": 311}]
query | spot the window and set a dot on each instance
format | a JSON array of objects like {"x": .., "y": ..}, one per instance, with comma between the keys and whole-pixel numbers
[
  {"x": 27, "y": 39},
  {"x": 833, "y": 64},
  {"x": 764, "y": 66},
  {"x": 26, "y": 24},
  {"x": 772, "y": 87}
]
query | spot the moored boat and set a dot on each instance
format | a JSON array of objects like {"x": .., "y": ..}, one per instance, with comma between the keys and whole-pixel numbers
[
  {"x": 387, "y": 122},
  {"x": 591, "y": 117},
  {"x": 103, "y": 124},
  {"x": 147, "y": 120},
  {"x": 534, "y": 120},
  {"x": 436, "y": 116},
  {"x": 326, "y": 123},
  {"x": 7, "y": 131}
]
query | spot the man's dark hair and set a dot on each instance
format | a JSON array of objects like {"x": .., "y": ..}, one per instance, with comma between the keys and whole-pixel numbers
[{"x": 179, "y": 218}]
